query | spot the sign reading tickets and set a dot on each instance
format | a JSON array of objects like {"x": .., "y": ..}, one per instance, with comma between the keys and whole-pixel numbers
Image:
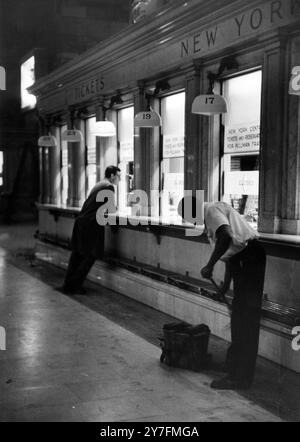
[
  {"x": 173, "y": 146},
  {"x": 295, "y": 81},
  {"x": 242, "y": 138},
  {"x": 126, "y": 151}
]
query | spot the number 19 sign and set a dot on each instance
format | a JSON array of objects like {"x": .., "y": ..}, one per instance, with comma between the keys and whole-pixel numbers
[
  {"x": 147, "y": 119},
  {"x": 295, "y": 81}
]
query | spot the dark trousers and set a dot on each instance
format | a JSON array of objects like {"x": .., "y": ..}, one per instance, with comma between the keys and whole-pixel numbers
[
  {"x": 78, "y": 269},
  {"x": 248, "y": 270}
]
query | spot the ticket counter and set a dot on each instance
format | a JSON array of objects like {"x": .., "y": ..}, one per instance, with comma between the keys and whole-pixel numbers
[{"x": 248, "y": 157}]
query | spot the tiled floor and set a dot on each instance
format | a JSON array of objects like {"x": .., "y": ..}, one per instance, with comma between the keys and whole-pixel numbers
[{"x": 96, "y": 357}]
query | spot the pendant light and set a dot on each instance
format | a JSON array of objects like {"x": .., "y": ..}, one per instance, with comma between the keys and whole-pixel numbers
[
  {"x": 211, "y": 103},
  {"x": 47, "y": 141},
  {"x": 103, "y": 127},
  {"x": 150, "y": 118}
]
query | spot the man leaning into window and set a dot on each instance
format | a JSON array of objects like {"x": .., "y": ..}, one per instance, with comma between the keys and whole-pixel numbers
[
  {"x": 87, "y": 242},
  {"x": 236, "y": 243}
]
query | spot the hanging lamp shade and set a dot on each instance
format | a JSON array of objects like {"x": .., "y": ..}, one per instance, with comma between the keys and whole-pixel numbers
[
  {"x": 47, "y": 141},
  {"x": 209, "y": 105},
  {"x": 104, "y": 128},
  {"x": 147, "y": 119},
  {"x": 72, "y": 136}
]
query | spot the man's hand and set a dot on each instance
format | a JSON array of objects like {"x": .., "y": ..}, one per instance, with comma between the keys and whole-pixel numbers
[{"x": 207, "y": 272}]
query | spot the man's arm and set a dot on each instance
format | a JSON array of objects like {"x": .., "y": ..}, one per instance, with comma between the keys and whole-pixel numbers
[{"x": 224, "y": 237}]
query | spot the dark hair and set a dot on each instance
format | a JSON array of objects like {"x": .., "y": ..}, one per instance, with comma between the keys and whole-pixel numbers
[{"x": 111, "y": 170}]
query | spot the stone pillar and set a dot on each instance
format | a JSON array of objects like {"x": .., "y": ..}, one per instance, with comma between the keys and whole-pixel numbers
[
  {"x": 291, "y": 152},
  {"x": 143, "y": 146},
  {"x": 76, "y": 153},
  {"x": 46, "y": 175},
  {"x": 202, "y": 139},
  {"x": 272, "y": 137},
  {"x": 78, "y": 167},
  {"x": 70, "y": 199},
  {"x": 192, "y": 125},
  {"x": 41, "y": 163},
  {"x": 44, "y": 165},
  {"x": 41, "y": 175},
  {"x": 55, "y": 169}
]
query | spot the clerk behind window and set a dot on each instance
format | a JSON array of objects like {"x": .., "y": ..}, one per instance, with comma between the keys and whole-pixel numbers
[
  {"x": 88, "y": 236},
  {"x": 236, "y": 243}
]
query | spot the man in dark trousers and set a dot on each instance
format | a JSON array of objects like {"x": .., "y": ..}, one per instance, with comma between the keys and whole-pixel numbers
[
  {"x": 87, "y": 242},
  {"x": 236, "y": 243}
]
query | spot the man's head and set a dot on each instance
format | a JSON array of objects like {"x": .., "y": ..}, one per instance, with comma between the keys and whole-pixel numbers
[{"x": 113, "y": 174}]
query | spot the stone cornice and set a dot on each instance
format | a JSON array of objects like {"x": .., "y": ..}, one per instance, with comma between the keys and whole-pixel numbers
[
  {"x": 144, "y": 37},
  {"x": 152, "y": 47}
]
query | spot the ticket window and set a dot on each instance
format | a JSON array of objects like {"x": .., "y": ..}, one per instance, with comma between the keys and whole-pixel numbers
[
  {"x": 172, "y": 159},
  {"x": 91, "y": 155},
  {"x": 125, "y": 123},
  {"x": 64, "y": 168},
  {"x": 240, "y": 160}
]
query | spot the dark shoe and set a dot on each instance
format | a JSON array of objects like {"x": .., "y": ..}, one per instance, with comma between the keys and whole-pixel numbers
[
  {"x": 72, "y": 291},
  {"x": 230, "y": 384}
]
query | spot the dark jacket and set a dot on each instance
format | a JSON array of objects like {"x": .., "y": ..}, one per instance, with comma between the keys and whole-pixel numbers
[{"x": 88, "y": 236}]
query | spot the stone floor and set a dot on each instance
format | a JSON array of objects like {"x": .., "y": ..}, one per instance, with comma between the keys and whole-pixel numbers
[{"x": 96, "y": 357}]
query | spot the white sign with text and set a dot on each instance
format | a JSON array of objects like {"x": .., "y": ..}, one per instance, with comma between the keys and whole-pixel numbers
[
  {"x": 126, "y": 151},
  {"x": 173, "y": 146},
  {"x": 242, "y": 138}
]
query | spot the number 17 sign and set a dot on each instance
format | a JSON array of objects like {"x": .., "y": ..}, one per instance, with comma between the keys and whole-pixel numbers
[{"x": 295, "y": 81}]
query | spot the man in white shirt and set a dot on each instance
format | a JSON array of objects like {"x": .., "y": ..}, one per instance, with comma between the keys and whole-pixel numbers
[{"x": 236, "y": 243}]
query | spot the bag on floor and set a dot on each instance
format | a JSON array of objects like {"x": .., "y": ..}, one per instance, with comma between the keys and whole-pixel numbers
[{"x": 185, "y": 346}]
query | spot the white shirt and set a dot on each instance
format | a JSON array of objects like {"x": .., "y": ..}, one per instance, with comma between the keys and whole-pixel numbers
[{"x": 219, "y": 214}]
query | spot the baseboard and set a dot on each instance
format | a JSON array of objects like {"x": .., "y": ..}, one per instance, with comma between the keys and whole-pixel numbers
[{"x": 275, "y": 337}]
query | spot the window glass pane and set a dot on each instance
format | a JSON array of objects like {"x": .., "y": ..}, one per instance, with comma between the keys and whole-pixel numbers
[
  {"x": 27, "y": 79},
  {"x": 64, "y": 169},
  {"x": 126, "y": 155},
  {"x": 172, "y": 167},
  {"x": 242, "y": 144},
  {"x": 91, "y": 153}
]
